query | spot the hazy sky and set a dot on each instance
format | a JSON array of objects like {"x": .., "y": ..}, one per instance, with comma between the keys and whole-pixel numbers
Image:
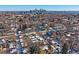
[{"x": 46, "y": 7}]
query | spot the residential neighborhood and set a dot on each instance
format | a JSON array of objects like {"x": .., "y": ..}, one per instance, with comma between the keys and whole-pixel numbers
[{"x": 39, "y": 32}]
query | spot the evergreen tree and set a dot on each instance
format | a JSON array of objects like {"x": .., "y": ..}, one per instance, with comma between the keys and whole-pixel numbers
[
  {"x": 33, "y": 49},
  {"x": 64, "y": 49}
]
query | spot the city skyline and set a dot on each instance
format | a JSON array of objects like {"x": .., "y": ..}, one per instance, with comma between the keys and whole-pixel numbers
[{"x": 46, "y": 7}]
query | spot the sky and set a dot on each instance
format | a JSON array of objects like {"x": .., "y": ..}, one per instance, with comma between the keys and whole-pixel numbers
[{"x": 46, "y": 7}]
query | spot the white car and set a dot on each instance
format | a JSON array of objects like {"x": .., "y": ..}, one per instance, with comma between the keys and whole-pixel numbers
[
  {"x": 11, "y": 45},
  {"x": 3, "y": 40},
  {"x": 21, "y": 40},
  {"x": 13, "y": 50},
  {"x": 19, "y": 32},
  {"x": 16, "y": 34},
  {"x": 45, "y": 47},
  {"x": 20, "y": 36},
  {"x": 22, "y": 44}
]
